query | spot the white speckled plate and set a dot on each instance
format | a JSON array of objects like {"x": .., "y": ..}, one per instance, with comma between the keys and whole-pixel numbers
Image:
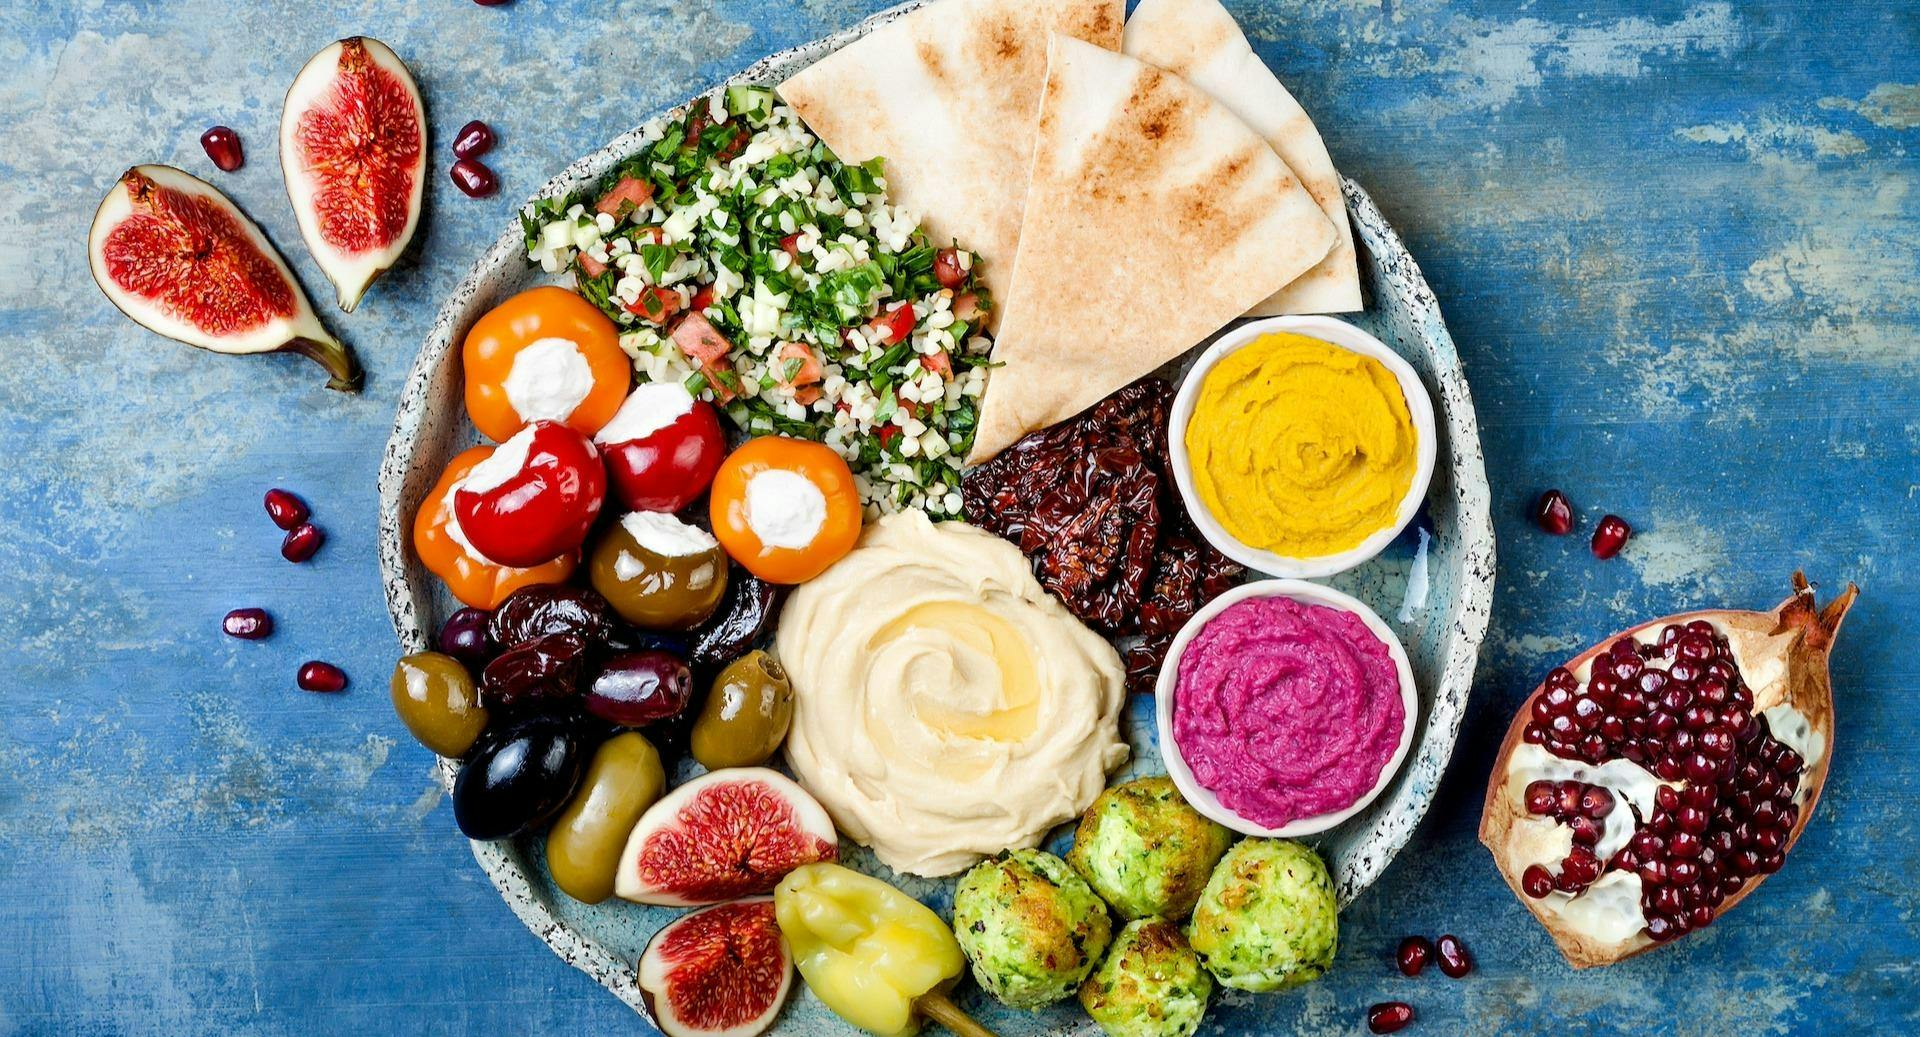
[{"x": 1442, "y": 636}]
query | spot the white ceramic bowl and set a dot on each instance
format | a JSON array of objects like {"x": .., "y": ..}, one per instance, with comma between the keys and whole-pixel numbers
[
  {"x": 1348, "y": 337},
  {"x": 1204, "y": 800}
]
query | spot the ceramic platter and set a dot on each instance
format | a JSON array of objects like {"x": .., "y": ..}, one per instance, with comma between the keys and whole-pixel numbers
[{"x": 1442, "y": 634}]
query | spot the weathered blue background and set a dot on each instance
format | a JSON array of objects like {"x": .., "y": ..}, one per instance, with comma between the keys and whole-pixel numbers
[{"x": 1678, "y": 244}]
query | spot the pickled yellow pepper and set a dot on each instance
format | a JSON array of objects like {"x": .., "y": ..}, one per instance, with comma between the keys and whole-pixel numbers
[{"x": 879, "y": 958}]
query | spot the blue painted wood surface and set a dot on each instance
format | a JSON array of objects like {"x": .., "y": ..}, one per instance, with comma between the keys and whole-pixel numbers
[{"x": 1678, "y": 244}]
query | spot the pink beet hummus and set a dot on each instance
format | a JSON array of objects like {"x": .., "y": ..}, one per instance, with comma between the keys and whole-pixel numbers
[{"x": 1286, "y": 710}]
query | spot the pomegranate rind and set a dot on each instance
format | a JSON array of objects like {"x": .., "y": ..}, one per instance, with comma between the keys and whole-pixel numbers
[
  {"x": 353, "y": 265},
  {"x": 285, "y": 320},
  {"x": 1782, "y": 656},
  {"x": 719, "y": 953},
  {"x": 732, "y": 833}
]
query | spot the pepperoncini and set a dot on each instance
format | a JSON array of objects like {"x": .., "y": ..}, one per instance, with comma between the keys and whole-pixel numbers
[{"x": 879, "y": 958}]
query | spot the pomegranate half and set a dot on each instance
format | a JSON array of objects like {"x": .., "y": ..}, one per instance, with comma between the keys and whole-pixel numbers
[
  {"x": 722, "y": 971},
  {"x": 183, "y": 261},
  {"x": 1656, "y": 779},
  {"x": 353, "y": 148},
  {"x": 731, "y": 833}
]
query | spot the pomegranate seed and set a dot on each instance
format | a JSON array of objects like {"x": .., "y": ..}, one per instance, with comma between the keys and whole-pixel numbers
[
  {"x": 1414, "y": 953},
  {"x": 248, "y": 624},
  {"x": 1389, "y": 1016},
  {"x": 1553, "y": 513},
  {"x": 301, "y": 542},
  {"x": 322, "y": 677},
  {"x": 1540, "y": 797},
  {"x": 222, "y": 145},
  {"x": 474, "y": 140},
  {"x": 1610, "y": 536},
  {"x": 473, "y": 179},
  {"x": 1536, "y": 881},
  {"x": 1454, "y": 959},
  {"x": 285, "y": 509}
]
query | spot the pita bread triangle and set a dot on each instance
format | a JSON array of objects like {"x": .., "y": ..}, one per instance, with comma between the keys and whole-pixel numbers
[
  {"x": 1199, "y": 40},
  {"x": 947, "y": 96},
  {"x": 1154, "y": 216}
]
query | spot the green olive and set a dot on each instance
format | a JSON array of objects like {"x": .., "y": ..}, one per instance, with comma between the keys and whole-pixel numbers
[
  {"x": 584, "y": 844},
  {"x": 658, "y": 572},
  {"x": 746, "y": 715},
  {"x": 435, "y": 698}
]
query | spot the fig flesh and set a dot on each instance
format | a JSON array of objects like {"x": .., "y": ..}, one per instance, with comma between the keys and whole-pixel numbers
[
  {"x": 722, "y": 971},
  {"x": 731, "y": 833},
  {"x": 1655, "y": 780},
  {"x": 177, "y": 256},
  {"x": 353, "y": 149}
]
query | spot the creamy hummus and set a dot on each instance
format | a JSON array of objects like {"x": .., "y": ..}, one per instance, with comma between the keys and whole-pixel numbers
[
  {"x": 1300, "y": 447},
  {"x": 945, "y": 706},
  {"x": 1286, "y": 710}
]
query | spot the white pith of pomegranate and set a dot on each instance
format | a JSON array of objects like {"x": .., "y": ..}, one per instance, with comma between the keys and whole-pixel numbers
[
  {"x": 722, "y": 971},
  {"x": 728, "y": 834},
  {"x": 353, "y": 150},
  {"x": 1656, "y": 779},
  {"x": 176, "y": 255}
]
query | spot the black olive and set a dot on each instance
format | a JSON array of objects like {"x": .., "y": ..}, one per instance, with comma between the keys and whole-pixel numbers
[
  {"x": 545, "y": 608},
  {"x": 745, "y": 613},
  {"x": 543, "y": 670},
  {"x": 518, "y": 777}
]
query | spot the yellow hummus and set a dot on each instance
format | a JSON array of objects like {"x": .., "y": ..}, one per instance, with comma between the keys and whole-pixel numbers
[
  {"x": 1300, "y": 447},
  {"x": 945, "y": 706}
]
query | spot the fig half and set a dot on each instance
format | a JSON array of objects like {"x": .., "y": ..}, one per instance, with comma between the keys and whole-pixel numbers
[
  {"x": 353, "y": 148},
  {"x": 722, "y": 971},
  {"x": 731, "y": 833},
  {"x": 183, "y": 261},
  {"x": 1653, "y": 781}
]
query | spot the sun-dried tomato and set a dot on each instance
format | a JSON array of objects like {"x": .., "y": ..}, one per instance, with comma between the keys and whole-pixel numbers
[{"x": 1091, "y": 503}]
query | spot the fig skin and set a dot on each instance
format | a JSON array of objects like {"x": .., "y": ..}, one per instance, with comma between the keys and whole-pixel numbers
[{"x": 1782, "y": 656}]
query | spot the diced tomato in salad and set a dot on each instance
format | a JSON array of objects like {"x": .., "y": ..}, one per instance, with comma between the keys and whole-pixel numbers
[
  {"x": 791, "y": 244},
  {"x": 591, "y": 267},
  {"x": 940, "y": 363},
  {"x": 629, "y": 194},
  {"x": 947, "y": 269},
  {"x": 806, "y": 372},
  {"x": 886, "y": 434},
  {"x": 708, "y": 349},
  {"x": 702, "y": 298},
  {"x": 891, "y": 327},
  {"x": 966, "y": 306},
  {"x": 655, "y": 304}
]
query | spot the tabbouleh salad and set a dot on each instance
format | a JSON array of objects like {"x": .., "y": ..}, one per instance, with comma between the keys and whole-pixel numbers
[{"x": 740, "y": 257}]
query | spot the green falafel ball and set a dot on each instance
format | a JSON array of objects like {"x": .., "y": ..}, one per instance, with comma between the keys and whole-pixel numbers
[
  {"x": 1267, "y": 919},
  {"x": 1150, "y": 985},
  {"x": 1143, "y": 849},
  {"x": 1030, "y": 926}
]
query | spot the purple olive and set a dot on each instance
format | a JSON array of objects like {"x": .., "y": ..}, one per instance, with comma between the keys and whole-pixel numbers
[
  {"x": 542, "y": 670},
  {"x": 464, "y": 636},
  {"x": 638, "y": 688},
  {"x": 542, "y": 609}
]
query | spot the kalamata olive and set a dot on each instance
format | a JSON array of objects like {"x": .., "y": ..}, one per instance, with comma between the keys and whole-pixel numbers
[
  {"x": 746, "y": 611},
  {"x": 435, "y": 697},
  {"x": 464, "y": 636},
  {"x": 518, "y": 777},
  {"x": 638, "y": 688},
  {"x": 545, "y": 608},
  {"x": 542, "y": 670},
  {"x": 746, "y": 714},
  {"x": 659, "y": 572},
  {"x": 583, "y": 847}
]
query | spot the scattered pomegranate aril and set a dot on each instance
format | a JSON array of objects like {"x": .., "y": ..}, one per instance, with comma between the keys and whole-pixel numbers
[
  {"x": 248, "y": 624},
  {"x": 285, "y": 509},
  {"x": 473, "y": 179},
  {"x": 321, "y": 677},
  {"x": 222, "y": 145},
  {"x": 1389, "y": 1016},
  {"x": 1455, "y": 962},
  {"x": 474, "y": 140},
  {"x": 1553, "y": 513},
  {"x": 1610, "y": 536},
  {"x": 301, "y": 542},
  {"x": 1536, "y": 881},
  {"x": 1413, "y": 955}
]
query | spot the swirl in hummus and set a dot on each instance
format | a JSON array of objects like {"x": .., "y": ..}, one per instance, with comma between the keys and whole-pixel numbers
[{"x": 945, "y": 706}]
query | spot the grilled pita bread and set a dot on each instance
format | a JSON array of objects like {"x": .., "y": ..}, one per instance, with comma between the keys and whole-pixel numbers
[
  {"x": 947, "y": 95},
  {"x": 1154, "y": 216},
  {"x": 1198, "y": 39}
]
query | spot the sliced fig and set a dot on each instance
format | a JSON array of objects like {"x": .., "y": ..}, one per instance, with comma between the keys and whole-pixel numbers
[
  {"x": 353, "y": 147},
  {"x": 183, "y": 261},
  {"x": 1653, "y": 781},
  {"x": 722, "y": 971},
  {"x": 732, "y": 833}
]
